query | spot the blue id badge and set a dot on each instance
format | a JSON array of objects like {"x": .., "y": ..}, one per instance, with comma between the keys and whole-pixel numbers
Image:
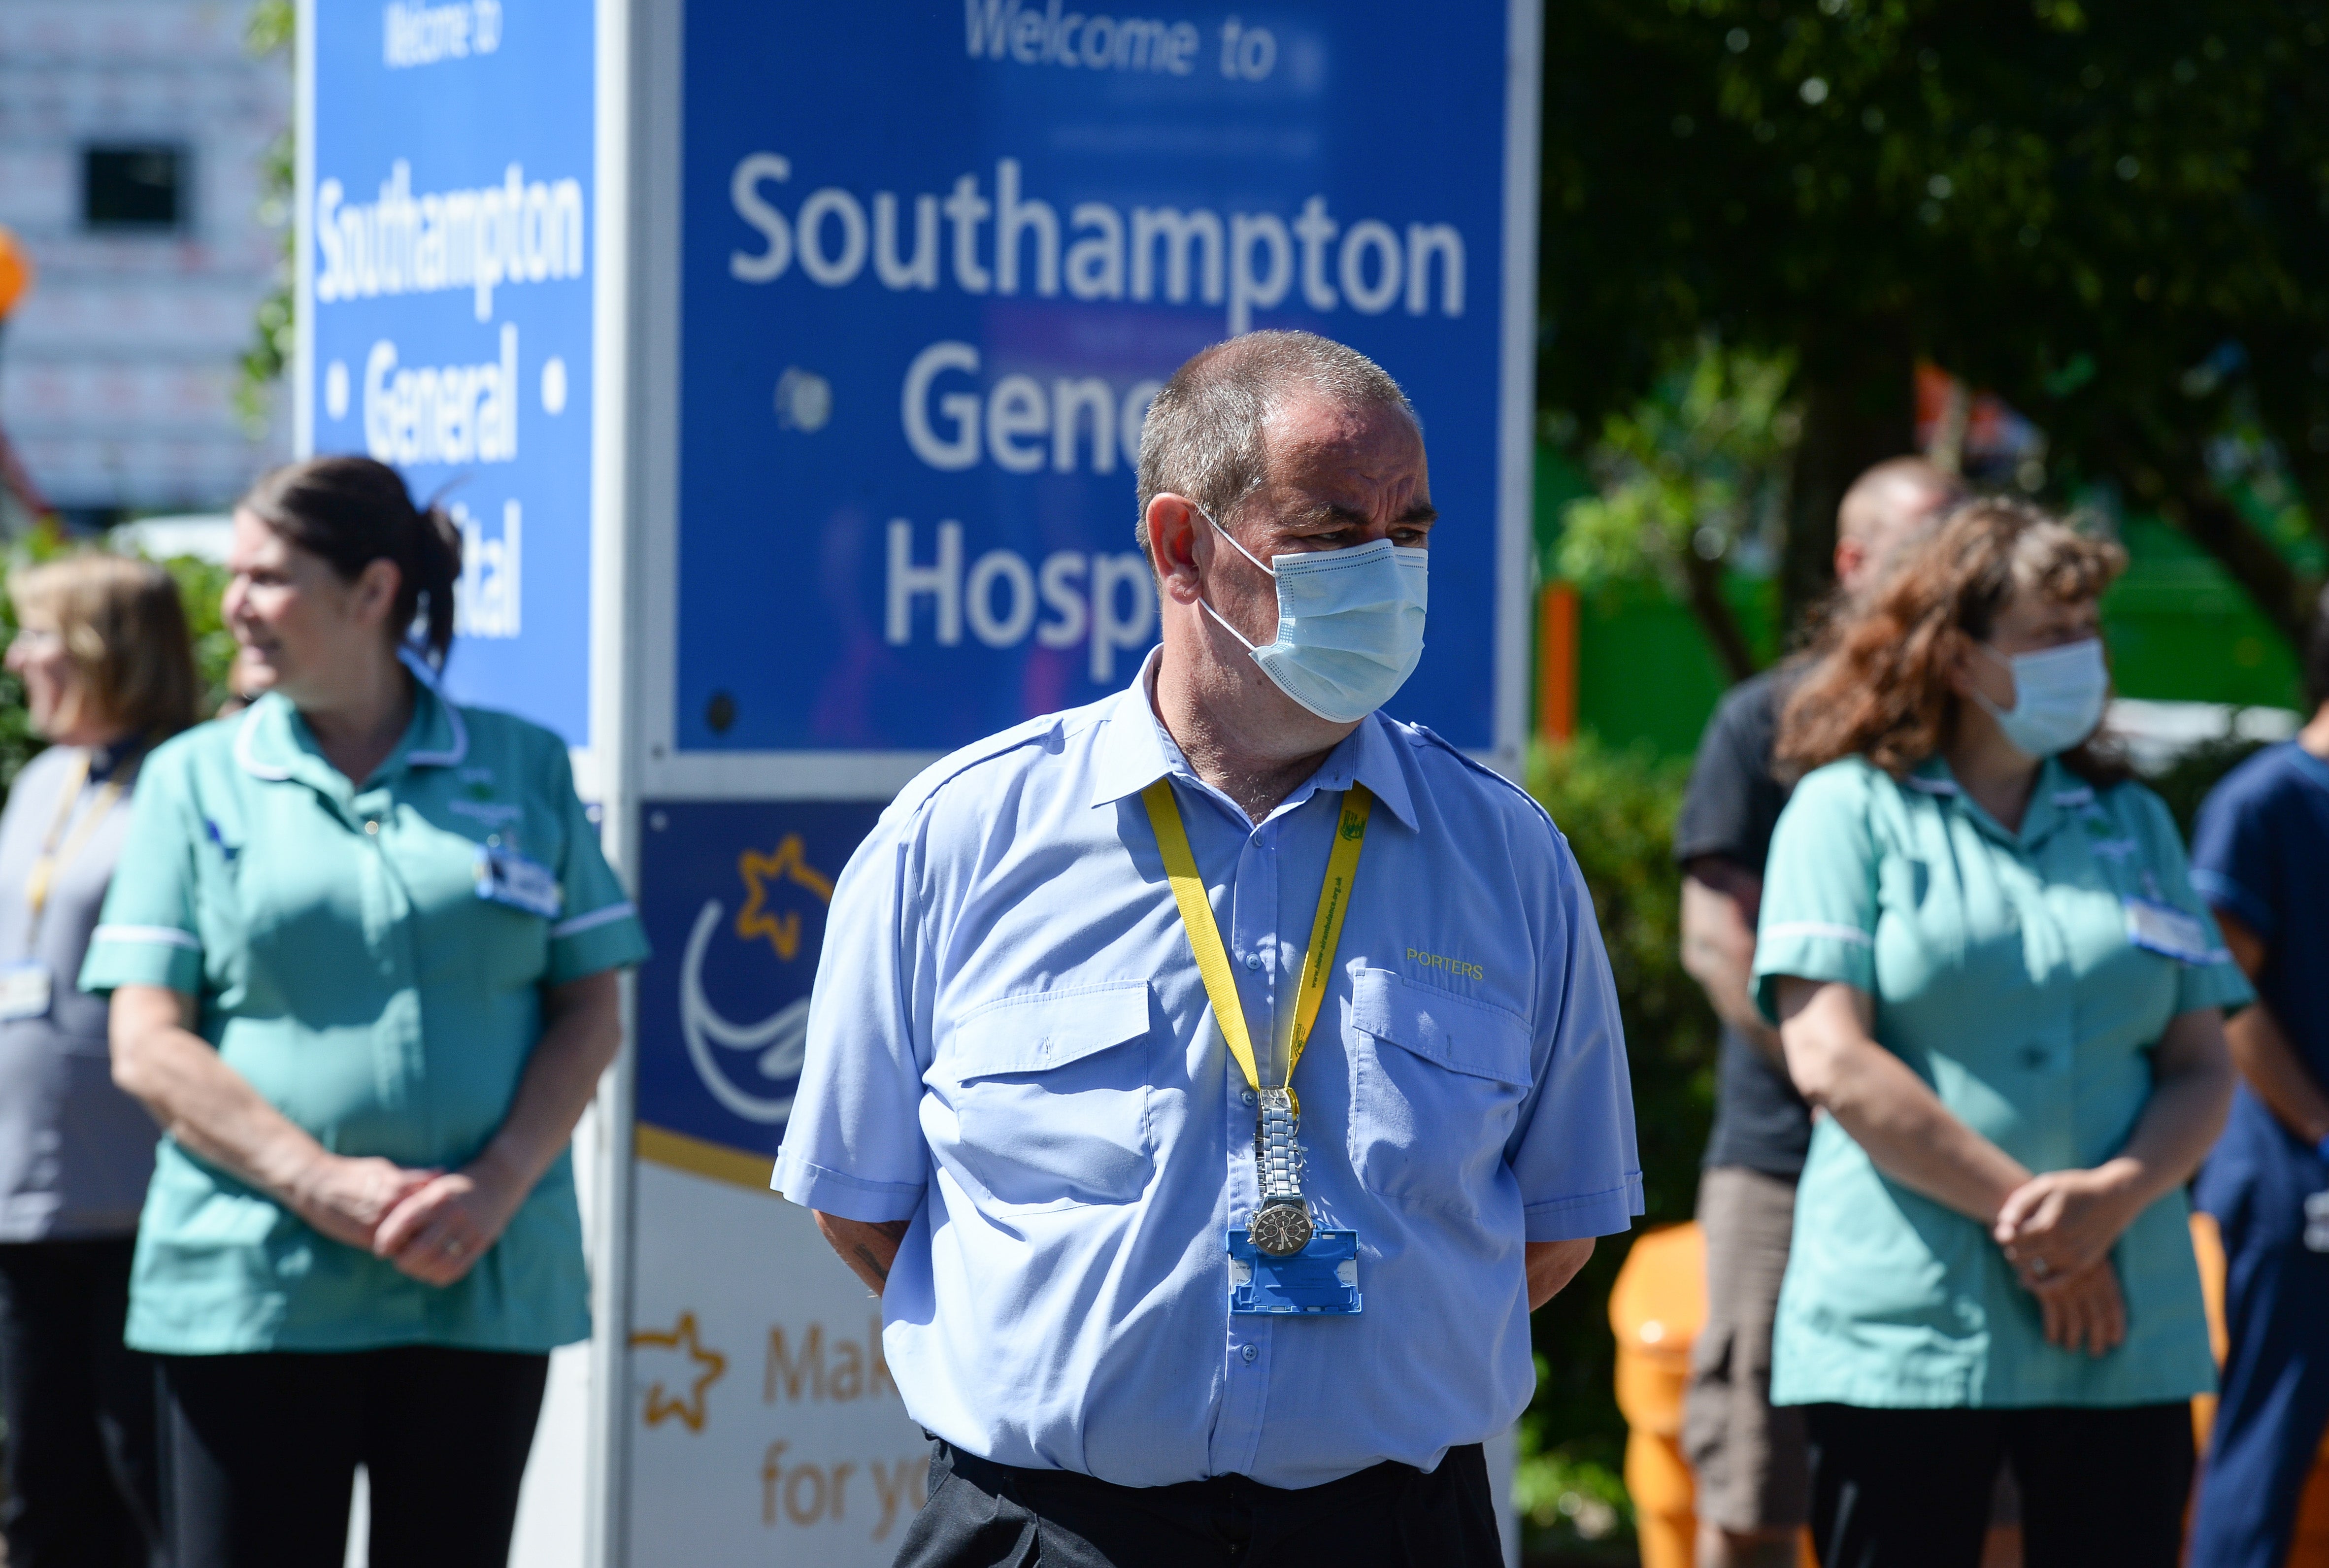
[
  {"x": 1323, "y": 1278},
  {"x": 2168, "y": 931},
  {"x": 506, "y": 877},
  {"x": 25, "y": 991}
]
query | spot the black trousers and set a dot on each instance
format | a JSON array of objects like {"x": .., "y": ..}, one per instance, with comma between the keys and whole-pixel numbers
[
  {"x": 260, "y": 1453},
  {"x": 80, "y": 1466},
  {"x": 982, "y": 1515},
  {"x": 1911, "y": 1488}
]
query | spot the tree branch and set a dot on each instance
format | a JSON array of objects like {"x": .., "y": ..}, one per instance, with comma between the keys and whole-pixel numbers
[
  {"x": 2176, "y": 480},
  {"x": 1715, "y": 615}
]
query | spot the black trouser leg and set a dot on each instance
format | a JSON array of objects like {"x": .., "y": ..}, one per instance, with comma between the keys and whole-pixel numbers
[
  {"x": 445, "y": 1449},
  {"x": 80, "y": 1409},
  {"x": 2103, "y": 1485},
  {"x": 1901, "y": 1488},
  {"x": 263, "y": 1450},
  {"x": 261, "y": 1457}
]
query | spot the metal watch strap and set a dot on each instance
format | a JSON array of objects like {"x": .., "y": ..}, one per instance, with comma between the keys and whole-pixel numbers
[{"x": 1279, "y": 1158}]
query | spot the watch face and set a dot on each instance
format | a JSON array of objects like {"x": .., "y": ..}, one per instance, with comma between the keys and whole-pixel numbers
[{"x": 1281, "y": 1230}]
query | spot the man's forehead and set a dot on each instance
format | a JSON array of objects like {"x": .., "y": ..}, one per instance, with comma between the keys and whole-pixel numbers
[{"x": 1319, "y": 443}]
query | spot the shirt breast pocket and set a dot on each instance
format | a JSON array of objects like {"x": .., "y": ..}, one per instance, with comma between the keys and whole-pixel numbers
[
  {"x": 1050, "y": 1092},
  {"x": 1437, "y": 1081}
]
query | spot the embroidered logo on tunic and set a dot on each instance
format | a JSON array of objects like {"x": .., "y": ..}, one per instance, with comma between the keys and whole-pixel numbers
[{"x": 1462, "y": 968}]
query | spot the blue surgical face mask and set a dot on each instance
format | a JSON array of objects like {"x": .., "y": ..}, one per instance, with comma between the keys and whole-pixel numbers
[
  {"x": 1350, "y": 625},
  {"x": 2059, "y": 693}
]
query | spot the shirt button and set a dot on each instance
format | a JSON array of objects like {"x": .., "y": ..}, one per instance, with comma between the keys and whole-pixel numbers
[
  {"x": 1253, "y": 960},
  {"x": 1248, "y": 1354},
  {"x": 1250, "y": 1097},
  {"x": 373, "y": 827}
]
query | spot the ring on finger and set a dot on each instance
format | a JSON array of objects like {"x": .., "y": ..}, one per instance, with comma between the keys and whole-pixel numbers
[
  {"x": 2039, "y": 1267},
  {"x": 452, "y": 1248}
]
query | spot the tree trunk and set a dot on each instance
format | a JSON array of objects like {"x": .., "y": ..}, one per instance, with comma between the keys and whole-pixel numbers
[
  {"x": 1858, "y": 385},
  {"x": 2171, "y": 475},
  {"x": 2216, "y": 525},
  {"x": 1715, "y": 617}
]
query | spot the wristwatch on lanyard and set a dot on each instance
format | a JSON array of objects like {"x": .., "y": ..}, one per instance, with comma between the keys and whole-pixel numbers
[
  {"x": 1282, "y": 1263},
  {"x": 1281, "y": 1226}
]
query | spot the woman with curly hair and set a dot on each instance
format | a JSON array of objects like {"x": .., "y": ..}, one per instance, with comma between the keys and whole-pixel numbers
[{"x": 1981, "y": 947}]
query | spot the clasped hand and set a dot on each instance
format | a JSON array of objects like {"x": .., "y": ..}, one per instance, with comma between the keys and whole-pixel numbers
[
  {"x": 432, "y": 1224},
  {"x": 2057, "y": 1229}
]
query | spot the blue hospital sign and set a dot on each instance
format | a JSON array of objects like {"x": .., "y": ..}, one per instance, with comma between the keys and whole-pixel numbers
[
  {"x": 733, "y": 894},
  {"x": 936, "y": 259},
  {"x": 448, "y": 229}
]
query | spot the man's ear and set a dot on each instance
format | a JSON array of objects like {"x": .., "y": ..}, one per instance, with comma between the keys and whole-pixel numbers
[{"x": 1173, "y": 523}]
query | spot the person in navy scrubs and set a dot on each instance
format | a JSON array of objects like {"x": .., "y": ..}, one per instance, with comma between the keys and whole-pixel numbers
[{"x": 2260, "y": 856}]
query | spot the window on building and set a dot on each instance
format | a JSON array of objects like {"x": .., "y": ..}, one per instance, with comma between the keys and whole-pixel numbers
[{"x": 138, "y": 186}]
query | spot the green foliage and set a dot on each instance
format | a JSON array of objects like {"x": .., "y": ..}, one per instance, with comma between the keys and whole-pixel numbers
[
  {"x": 269, "y": 30},
  {"x": 1574, "y": 1507},
  {"x": 202, "y": 589},
  {"x": 1691, "y": 482},
  {"x": 1697, "y": 468},
  {"x": 1617, "y": 809},
  {"x": 2113, "y": 217}
]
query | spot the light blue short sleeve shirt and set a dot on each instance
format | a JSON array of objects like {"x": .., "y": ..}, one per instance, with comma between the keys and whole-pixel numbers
[
  {"x": 2003, "y": 973},
  {"x": 1010, "y": 1046}
]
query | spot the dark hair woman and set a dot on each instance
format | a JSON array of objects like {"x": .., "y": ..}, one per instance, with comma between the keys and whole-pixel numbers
[
  {"x": 1981, "y": 946},
  {"x": 362, "y": 957},
  {"x": 108, "y": 673}
]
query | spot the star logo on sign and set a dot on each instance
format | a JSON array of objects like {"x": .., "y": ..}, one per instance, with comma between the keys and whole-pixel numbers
[
  {"x": 790, "y": 862},
  {"x": 688, "y": 1411}
]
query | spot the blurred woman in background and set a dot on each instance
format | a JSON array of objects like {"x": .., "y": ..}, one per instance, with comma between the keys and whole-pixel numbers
[
  {"x": 362, "y": 956},
  {"x": 108, "y": 672},
  {"x": 1981, "y": 946}
]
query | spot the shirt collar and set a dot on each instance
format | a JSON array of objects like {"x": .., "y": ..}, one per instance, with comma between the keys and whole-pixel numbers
[
  {"x": 272, "y": 742},
  {"x": 2059, "y": 795},
  {"x": 1135, "y": 750},
  {"x": 105, "y": 762}
]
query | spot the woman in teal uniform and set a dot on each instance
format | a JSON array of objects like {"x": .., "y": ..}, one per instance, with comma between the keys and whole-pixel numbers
[
  {"x": 363, "y": 949},
  {"x": 1982, "y": 949}
]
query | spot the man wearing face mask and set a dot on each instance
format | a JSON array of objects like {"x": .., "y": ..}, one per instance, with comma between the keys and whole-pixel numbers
[{"x": 1211, "y": 1080}]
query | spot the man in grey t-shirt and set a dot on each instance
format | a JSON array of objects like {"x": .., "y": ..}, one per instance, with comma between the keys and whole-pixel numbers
[{"x": 1753, "y": 1479}]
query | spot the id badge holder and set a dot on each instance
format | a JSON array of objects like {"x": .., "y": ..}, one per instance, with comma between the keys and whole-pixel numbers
[
  {"x": 1322, "y": 1278},
  {"x": 2168, "y": 931},
  {"x": 25, "y": 991},
  {"x": 506, "y": 877}
]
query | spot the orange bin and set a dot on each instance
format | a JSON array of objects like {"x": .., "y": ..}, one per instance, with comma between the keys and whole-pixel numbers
[{"x": 1656, "y": 1307}]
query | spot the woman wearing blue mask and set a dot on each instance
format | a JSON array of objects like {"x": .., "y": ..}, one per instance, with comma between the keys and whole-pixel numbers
[{"x": 1982, "y": 949}]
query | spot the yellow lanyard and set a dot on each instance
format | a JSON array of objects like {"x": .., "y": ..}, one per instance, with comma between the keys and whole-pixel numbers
[
  {"x": 53, "y": 859},
  {"x": 1205, "y": 935}
]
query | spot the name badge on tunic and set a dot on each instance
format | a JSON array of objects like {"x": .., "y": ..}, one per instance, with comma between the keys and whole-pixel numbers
[
  {"x": 2168, "y": 931},
  {"x": 24, "y": 990},
  {"x": 506, "y": 877},
  {"x": 1323, "y": 1278}
]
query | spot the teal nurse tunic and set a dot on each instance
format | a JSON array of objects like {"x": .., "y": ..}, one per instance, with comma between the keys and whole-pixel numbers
[
  {"x": 345, "y": 964},
  {"x": 2004, "y": 973}
]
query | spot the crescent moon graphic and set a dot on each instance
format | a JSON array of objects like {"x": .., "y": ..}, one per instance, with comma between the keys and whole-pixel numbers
[{"x": 781, "y": 1039}]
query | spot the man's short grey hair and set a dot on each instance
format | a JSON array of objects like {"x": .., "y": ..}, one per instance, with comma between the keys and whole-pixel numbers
[{"x": 1205, "y": 434}]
